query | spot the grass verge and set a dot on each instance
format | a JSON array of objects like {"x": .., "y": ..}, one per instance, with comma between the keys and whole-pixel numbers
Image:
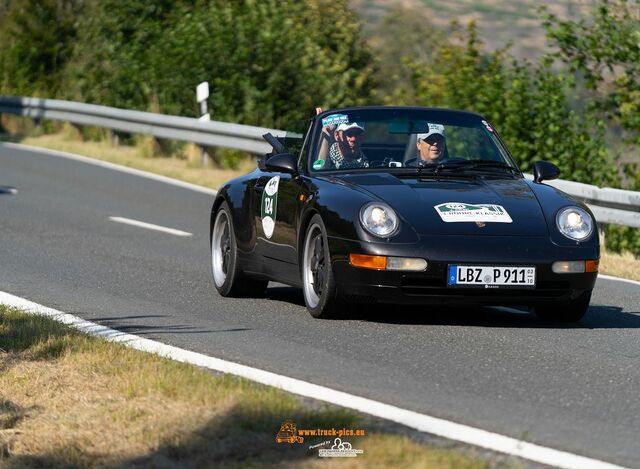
[
  {"x": 187, "y": 168},
  {"x": 624, "y": 265},
  {"x": 68, "y": 399}
]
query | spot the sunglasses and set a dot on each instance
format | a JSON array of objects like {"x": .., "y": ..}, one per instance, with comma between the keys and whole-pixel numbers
[{"x": 431, "y": 139}]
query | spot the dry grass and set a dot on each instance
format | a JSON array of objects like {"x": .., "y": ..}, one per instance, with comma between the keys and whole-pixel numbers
[
  {"x": 67, "y": 399},
  {"x": 184, "y": 165},
  {"x": 624, "y": 265}
]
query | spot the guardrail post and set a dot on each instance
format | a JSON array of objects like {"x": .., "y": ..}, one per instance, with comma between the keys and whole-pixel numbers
[
  {"x": 202, "y": 93},
  {"x": 204, "y": 156}
]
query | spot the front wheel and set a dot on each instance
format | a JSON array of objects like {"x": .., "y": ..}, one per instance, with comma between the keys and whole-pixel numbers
[
  {"x": 227, "y": 275},
  {"x": 565, "y": 311},
  {"x": 319, "y": 287}
]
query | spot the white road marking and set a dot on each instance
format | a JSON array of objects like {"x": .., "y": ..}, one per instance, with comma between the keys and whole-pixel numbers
[
  {"x": 418, "y": 421},
  {"x": 150, "y": 226},
  {"x": 8, "y": 190}
]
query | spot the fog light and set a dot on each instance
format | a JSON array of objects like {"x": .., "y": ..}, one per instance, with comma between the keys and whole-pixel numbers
[
  {"x": 568, "y": 267},
  {"x": 406, "y": 263}
]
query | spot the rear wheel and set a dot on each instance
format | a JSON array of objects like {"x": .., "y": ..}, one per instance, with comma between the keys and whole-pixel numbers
[
  {"x": 227, "y": 275},
  {"x": 565, "y": 311},
  {"x": 319, "y": 287}
]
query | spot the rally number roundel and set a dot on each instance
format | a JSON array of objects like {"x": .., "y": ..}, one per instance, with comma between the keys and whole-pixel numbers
[{"x": 269, "y": 206}]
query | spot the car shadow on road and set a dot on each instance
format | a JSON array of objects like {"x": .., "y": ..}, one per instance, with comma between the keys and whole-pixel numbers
[
  {"x": 598, "y": 317},
  {"x": 285, "y": 293}
]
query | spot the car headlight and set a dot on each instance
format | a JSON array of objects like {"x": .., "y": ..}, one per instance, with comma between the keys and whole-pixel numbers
[
  {"x": 379, "y": 219},
  {"x": 574, "y": 223}
]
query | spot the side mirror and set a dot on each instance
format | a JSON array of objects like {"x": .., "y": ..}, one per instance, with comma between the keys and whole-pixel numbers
[
  {"x": 283, "y": 163},
  {"x": 545, "y": 171}
]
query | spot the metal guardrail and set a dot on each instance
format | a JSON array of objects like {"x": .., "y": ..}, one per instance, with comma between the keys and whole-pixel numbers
[
  {"x": 206, "y": 133},
  {"x": 616, "y": 206},
  {"x": 608, "y": 205}
]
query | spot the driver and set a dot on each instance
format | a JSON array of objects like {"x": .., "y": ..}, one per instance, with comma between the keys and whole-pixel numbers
[
  {"x": 431, "y": 146},
  {"x": 345, "y": 153}
]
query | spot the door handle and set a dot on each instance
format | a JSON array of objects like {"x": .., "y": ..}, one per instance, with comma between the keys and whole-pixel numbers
[{"x": 258, "y": 188}]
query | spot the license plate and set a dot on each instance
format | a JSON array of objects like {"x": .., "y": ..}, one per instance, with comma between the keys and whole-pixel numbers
[{"x": 491, "y": 276}]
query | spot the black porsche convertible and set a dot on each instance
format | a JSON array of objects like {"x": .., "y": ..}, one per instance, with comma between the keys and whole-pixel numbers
[{"x": 404, "y": 205}]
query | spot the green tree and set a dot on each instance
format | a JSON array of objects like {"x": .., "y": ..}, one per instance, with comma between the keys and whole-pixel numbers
[
  {"x": 403, "y": 36},
  {"x": 118, "y": 44},
  {"x": 605, "y": 48},
  {"x": 36, "y": 42},
  {"x": 268, "y": 62}
]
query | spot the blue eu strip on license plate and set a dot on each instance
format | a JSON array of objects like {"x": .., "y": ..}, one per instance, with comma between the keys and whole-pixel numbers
[{"x": 453, "y": 273}]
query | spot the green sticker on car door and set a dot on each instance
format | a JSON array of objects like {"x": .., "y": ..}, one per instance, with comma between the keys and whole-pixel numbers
[{"x": 269, "y": 206}]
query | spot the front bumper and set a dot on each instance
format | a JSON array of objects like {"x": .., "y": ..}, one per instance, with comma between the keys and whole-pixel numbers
[{"x": 430, "y": 287}]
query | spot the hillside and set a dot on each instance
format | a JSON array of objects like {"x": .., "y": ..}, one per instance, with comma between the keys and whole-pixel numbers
[{"x": 498, "y": 21}]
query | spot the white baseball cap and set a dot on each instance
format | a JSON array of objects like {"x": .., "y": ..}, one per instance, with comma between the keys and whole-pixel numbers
[
  {"x": 433, "y": 129},
  {"x": 352, "y": 125}
]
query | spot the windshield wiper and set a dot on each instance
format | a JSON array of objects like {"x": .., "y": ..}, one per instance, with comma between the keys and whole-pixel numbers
[
  {"x": 436, "y": 170},
  {"x": 465, "y": 165},
  {"x": 461, "y": 167},
  {"x": 491, "y": 164}
]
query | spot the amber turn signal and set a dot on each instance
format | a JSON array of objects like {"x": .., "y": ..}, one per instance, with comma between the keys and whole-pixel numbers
[
  {"x": 368, "y": 262},
  {"x": 591, "y": 266}
]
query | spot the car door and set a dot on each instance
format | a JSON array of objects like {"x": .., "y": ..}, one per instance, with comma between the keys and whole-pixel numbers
[{"x": 275, "y": 202}]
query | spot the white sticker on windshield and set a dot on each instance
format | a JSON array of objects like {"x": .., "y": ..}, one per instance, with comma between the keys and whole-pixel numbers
[
  {"x": 487, "y": 126},
  {"x": 335, "y": 119},
  {"x": 452, "y": 212}
]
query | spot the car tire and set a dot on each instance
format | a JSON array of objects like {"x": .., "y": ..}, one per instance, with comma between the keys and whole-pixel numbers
[
  {"x": 318, "y": 282},
  {"x": 565, "y": 311},
  {"x": 228, "y": 278}
]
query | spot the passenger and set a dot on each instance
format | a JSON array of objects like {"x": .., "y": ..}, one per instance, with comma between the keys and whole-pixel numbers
[
  {"x": 345, "y": 153},
  {"x": 432, "y": 146},
  {"x": 328, "y": 138}
]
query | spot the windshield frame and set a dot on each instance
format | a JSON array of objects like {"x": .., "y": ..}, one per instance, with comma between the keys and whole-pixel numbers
[{"x": 439, "y": 115}]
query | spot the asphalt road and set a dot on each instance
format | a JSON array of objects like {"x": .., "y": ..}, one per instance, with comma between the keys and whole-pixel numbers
[{"x": 573, "y": 388}]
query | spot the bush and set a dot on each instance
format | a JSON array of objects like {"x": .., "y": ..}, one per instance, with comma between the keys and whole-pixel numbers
[{"x": 268, "y": 62}]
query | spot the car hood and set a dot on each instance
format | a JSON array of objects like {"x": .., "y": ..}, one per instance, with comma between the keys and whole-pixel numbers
[{"x": 416, "y": 202}]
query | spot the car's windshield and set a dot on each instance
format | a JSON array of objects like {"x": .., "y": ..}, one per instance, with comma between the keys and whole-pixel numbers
[{"x": 392, "y": 138}]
